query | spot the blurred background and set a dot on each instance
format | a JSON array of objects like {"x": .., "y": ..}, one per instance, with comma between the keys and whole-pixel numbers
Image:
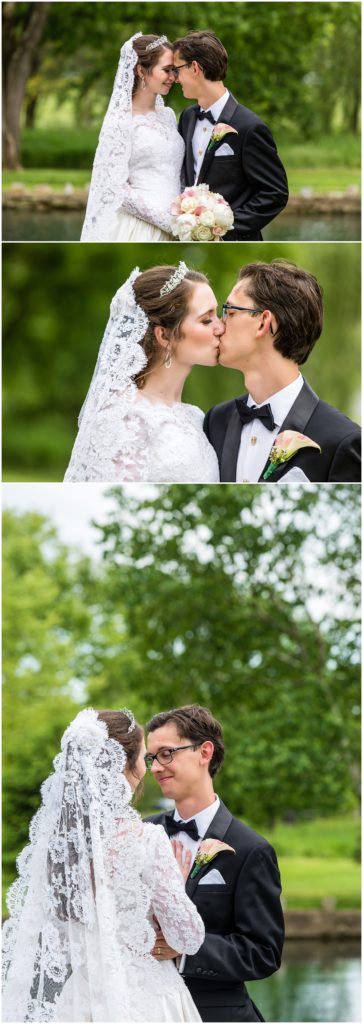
[
  {"x": 56, "y": 306},
  {"x": 242, "y": 599},
  {"x": 296, "y": 64}
]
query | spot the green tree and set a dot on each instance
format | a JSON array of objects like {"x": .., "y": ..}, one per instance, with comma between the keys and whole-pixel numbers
[
  {"x": 224, "y": 588},
  {"x": 46, "y": 620}
]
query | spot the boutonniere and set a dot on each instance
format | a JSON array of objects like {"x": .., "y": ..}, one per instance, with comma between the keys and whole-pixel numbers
[
  {"x": 218, "y": 133},
  {"x": 285, "y": 446},
  {"x": 208, "y": 850}
]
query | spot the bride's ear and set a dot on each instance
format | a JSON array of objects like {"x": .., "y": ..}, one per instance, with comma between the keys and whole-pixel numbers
[{"x": 161, "y": 336}]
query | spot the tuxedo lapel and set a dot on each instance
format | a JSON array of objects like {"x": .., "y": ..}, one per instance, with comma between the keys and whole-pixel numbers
[
  {"x": 225, "y": 117},
  {"x": 231, "y": 447},
  {"x": 217, "y": 830},
  {"x": 296, "y": 419},
  {"x": 189, "y": 158}
]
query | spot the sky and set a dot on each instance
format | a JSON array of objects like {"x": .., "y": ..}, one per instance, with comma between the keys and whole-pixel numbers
[{"x": 71, "y": 508}]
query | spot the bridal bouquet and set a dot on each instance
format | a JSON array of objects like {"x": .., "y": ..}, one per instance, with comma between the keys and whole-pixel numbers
[{"x": 198, "y": 215}]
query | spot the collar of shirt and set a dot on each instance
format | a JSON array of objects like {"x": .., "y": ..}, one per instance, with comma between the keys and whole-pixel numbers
[
  {"x": 281, "y": 401},
  {"x": 203, "y": 130},
  {"x": 202, "y": 819},
  {"x": 217, "y": 107},
  {"x": 256, "y": 441}
]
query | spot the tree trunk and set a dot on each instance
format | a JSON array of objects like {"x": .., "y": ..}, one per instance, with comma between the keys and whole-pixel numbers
[
  {"x": 17, "y": 67},
  {"x": 30, "y": 111}
]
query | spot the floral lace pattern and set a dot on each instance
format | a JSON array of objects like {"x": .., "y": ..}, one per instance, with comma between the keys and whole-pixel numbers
[
  {"x": 78, "y": 943},
  {"x": 143, "y": 441}
]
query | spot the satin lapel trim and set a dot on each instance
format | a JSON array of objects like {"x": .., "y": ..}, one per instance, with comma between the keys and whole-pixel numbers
[
  {"x": 227, "y": 112},
  {"x": 217, "y": 830},
  {"x": 296, "y": 419},
  {"x": 189, "y": 158},
  {"x": 230, "y": 449}
]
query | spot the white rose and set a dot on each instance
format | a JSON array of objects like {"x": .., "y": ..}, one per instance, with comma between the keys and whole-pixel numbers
[
  {"x": 207, "y": 218},
  {"x": 188, "y": 204},
  {"x": 202, "y": 233},
  {"x": 223, "y": 216}
]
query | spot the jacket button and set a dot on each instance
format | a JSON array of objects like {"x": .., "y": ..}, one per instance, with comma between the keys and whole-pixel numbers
[{"x": 198, "y": 970}]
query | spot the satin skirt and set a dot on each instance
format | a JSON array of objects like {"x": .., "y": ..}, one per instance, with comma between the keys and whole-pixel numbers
[{"x": 132, "y": 229}]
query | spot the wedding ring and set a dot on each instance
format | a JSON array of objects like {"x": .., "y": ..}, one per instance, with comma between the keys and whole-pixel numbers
[{"x": 158, "y": 951}]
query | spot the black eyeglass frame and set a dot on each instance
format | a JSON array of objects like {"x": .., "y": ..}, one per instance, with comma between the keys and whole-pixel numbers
[
  {"x": 242, "y": 309},
  {"x": 154, "y": 757},
  {"x": 177, "y": 68}
]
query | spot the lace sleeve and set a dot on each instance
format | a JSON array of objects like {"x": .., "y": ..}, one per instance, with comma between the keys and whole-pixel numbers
[
  {"x": 177, "y": 916},
  {"x": 115, "y": 448},
  {"x": 134, "y": 204}
]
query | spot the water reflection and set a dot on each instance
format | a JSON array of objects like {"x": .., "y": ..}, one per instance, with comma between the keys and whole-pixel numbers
[
  {"x": 63, "y": 226},
  {"x": 316, "y": 982}
]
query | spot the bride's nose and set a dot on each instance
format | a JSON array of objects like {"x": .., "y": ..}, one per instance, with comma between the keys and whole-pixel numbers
[{"x": 219, "y": 327}]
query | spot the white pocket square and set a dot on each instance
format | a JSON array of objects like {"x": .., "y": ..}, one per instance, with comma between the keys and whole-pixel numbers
[
  {"x": 213, "y": 877},
  {"x": 224, "y": 150},
  {"x": 294, "y": 475}
]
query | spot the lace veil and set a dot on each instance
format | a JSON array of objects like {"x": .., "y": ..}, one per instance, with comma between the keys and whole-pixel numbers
[
  {"x": 75, "y": 907},
  {"x": 110, "y": 167}
]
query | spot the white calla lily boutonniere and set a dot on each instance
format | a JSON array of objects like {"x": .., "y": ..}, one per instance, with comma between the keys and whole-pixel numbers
[
  {"x": 284, "y": 447},
  {"x": 208, "y": 850},
  {"x": 218, "y": 133}
]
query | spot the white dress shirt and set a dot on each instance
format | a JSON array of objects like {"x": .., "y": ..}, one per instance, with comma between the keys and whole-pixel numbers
[
  {"x": 203, "y": 820},
  {"x": 203, "y": 131},
  {"x": 257, "y": 440}
]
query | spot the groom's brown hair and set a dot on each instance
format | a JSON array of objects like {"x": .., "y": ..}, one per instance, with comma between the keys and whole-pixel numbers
[
  {"x": 295, "y": 298},
  {"x": 207, "y": 50},
  {"x": 197, "y": 724}
]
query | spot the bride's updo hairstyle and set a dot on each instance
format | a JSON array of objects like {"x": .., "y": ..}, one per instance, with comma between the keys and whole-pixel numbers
[
  {"x": 166, "y": 311},
  {"x": 118, "y": 725},
  {"x": 147, "y": 59}
]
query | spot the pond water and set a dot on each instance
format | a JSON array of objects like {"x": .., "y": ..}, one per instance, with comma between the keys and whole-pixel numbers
[
  {"x": 317, "y": 982},
  {"x": 63, "y": 226}
]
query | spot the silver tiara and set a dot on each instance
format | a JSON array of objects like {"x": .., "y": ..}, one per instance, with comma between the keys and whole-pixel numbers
[
  {"x": 131, "y": 718},
  {"x": 175, "y": 279},
  {"x": 157, "y": 42}
]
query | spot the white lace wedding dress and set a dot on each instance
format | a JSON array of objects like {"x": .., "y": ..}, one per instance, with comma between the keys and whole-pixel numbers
[
  {"x": 157, "y": 153},
  {"x": 144, "y": 442},
  {"x": 156, "y": 990}
]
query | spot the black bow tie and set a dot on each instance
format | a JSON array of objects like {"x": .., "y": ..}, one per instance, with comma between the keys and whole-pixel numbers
[
  {"x": 172, "y": 827},
  {"x": 247, "y": 413},
  {"x": 205, "y": 115}
]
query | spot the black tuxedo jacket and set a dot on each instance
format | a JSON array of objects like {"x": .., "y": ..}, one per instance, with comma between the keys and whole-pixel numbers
[
  {"x": 338, "y": 436},
  {"x": 243, "y": 920},
  {"x": 253, "y": 180}
]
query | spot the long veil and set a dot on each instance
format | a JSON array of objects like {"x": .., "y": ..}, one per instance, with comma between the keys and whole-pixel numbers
[{"x": 75, "y": 911}]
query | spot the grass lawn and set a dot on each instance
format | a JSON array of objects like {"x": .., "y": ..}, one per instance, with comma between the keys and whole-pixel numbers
[
  {"x": 320, "y": 179},
  {"x": 307, "y": 881}
]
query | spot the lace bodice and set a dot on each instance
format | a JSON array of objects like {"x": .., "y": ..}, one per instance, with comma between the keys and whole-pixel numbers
[
  {"x": 145, "y": 442},
  {"x": 157, "y": 153}
]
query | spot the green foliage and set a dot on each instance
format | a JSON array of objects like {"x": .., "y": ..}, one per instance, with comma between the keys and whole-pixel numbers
[
  {"x": 326, "y": 838},
  {"x": 308, "y": 83},
  {"x": 56, "y": 305}
]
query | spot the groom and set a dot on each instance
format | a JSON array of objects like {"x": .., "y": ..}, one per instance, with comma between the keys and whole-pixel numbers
[
  {"x": 238, "y": 893},
  {"x": 244, "y": 166},
  {"x": 273, "y": 317}
]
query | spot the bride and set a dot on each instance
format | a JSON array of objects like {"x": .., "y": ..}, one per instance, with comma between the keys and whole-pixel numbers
[
  {"x": 137, "y": 167},
  {"x": 133, "y": 425},
  {"x": 94, "y": 884}
]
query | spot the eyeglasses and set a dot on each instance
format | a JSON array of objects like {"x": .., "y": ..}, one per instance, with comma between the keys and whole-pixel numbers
[
  {"x": 178, "y": 67},
  {"x": 242, "y": 309},
  {"x": 166, "y": 754}
]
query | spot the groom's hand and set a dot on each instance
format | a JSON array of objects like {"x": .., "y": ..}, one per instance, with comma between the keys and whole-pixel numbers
[{"x": 161, "y": 950}]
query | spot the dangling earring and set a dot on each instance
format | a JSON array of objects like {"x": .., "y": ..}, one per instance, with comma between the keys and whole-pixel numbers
[
  {"x": 143, "y": 83},
  {"x": 168, "y": 359}
]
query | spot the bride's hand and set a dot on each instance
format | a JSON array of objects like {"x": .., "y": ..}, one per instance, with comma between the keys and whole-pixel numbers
[{"x": 183, "y": 857}]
